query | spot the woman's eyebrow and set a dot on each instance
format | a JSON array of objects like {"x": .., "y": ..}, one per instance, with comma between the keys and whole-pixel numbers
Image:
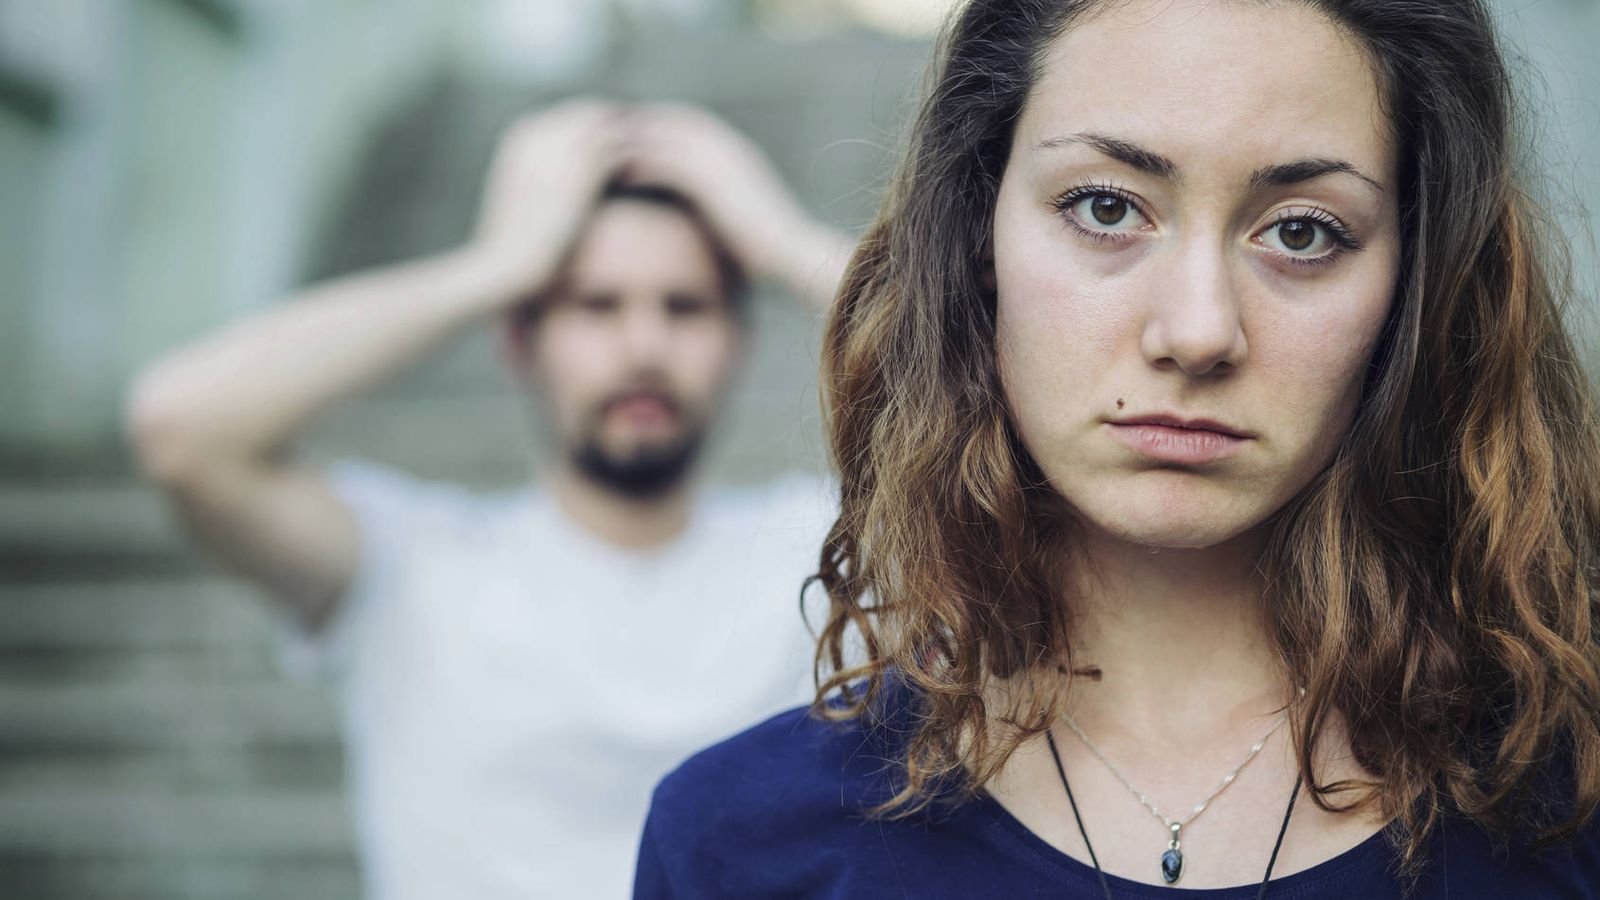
[
  {"x": 1134, "y": 156},
  {"x": 1122, "y": 151},
  {"x": 1305, "y": 170}
]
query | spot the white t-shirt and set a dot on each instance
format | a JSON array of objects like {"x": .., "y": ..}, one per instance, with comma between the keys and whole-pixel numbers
[{"x": 513, "y": 687}]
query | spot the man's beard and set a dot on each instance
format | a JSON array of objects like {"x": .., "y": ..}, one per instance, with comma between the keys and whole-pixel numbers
[{"x": 641, "y": 472}]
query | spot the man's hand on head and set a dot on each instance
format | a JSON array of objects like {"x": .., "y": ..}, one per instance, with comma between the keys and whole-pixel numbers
[
  {"x": 547, "y": 173},
  {"x": 732, "y": 181}
]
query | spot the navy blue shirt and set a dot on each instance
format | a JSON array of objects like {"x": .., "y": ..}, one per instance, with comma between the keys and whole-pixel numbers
[{"x": 778, "y": 812}]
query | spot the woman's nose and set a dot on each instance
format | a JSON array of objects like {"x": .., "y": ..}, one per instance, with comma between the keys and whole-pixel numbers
[{"x": 1194, "y": 322}]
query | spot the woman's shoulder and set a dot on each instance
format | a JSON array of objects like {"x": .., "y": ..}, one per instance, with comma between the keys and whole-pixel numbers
[
  {"x": 1465, "y": 862},
  {"x": 796, "y": 759},
  {"x": 777, "y": 803},
  {"x": 1466, "y": 858}
]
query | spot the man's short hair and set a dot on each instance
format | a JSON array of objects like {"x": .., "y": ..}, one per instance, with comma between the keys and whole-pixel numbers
[{"x": 731, "y": 273}]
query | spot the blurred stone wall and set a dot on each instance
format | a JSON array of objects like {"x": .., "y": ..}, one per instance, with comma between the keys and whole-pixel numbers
[{"x": 160, "y": 161}]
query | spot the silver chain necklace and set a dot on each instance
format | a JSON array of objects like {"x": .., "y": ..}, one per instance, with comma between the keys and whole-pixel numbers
[{"x": 1172, "y": 859}]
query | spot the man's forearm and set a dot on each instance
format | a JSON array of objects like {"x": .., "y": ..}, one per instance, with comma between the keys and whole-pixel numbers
[{"x": 240, "y": 395}]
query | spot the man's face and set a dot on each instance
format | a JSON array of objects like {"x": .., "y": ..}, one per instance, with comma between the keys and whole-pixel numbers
[{"x": 634, "y": 350}]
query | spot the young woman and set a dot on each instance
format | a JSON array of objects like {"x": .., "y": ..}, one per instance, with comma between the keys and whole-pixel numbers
[{"x": 1220, "y": 488}]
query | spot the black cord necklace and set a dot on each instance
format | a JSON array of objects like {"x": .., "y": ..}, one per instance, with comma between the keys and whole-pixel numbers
[{"x": 1106, "y": 888}]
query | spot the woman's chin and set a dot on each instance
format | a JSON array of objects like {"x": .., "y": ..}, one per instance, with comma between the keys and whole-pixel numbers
[
  {"x": 1168, "y": 525},
  {"x": 1172, "y": 535}
]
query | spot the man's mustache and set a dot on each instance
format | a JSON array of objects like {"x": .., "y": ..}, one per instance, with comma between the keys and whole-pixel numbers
[{"x": 659, "y": 395}]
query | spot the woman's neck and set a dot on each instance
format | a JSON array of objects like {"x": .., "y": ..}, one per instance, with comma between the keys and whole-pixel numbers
[{"x": 1175, "y": 640}]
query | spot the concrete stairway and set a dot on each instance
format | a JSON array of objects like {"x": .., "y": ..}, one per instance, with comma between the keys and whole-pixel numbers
[{"x": 149, "y": 748}]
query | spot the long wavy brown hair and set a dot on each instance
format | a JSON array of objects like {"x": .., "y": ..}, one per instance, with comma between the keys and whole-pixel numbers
[{"x": 1435, "y": 586}]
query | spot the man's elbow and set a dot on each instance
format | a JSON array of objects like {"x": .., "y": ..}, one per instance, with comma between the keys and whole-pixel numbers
[{"x": 164, "y": 441}]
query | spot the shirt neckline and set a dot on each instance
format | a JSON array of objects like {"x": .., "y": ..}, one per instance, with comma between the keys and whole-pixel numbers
[
  {"x": 540, "y": 509},
  {"x": 1371, "y": 853}
]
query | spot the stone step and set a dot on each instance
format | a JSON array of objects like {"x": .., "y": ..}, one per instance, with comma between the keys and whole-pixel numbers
[
  {"x": 137, "y": 821},
  {"x": 71, "y": 718},
  {"x": 826, "y": 70},
  {"x": 317, "y": 766},
  {"x": 113, "y": 523},
  {"x": 133, "y": 614},
  {"x": 139, "y": 630},
  {"x": 323, "y": 876},
  {"x": 91, "y": 667}
]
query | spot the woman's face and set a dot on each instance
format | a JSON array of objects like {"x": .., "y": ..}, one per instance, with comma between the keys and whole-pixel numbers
[{"x": 1196, "y": 244}]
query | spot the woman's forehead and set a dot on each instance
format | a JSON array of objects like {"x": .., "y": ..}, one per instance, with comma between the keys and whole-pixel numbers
[{"x": 1210, "y": 84}]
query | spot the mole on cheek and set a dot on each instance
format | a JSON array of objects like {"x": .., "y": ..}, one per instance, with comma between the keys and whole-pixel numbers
[{"x": 1120, "y": 404}]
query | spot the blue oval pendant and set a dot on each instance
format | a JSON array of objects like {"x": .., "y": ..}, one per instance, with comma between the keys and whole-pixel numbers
[{"x": 1171, "y": 866}]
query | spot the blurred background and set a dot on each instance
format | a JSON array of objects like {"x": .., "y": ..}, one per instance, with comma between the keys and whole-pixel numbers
[{"x": 168, "y": 165}]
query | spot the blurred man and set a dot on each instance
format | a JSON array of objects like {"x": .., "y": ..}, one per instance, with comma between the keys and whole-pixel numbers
[{"x": 517, "y": 670}]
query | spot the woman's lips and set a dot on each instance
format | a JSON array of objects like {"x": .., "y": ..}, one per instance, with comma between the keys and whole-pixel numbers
[{"x": 1168, "y": 440}]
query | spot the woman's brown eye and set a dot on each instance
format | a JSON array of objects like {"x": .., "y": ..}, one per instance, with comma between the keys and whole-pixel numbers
[
  {"x": 1103, "y": 215},
  {"x": 1297, "y": 235},
  {"x": 1108, "y": 210}
]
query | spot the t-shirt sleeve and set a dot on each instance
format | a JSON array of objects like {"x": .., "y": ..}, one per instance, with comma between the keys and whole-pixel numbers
[{"x": 388, "y": 507}]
